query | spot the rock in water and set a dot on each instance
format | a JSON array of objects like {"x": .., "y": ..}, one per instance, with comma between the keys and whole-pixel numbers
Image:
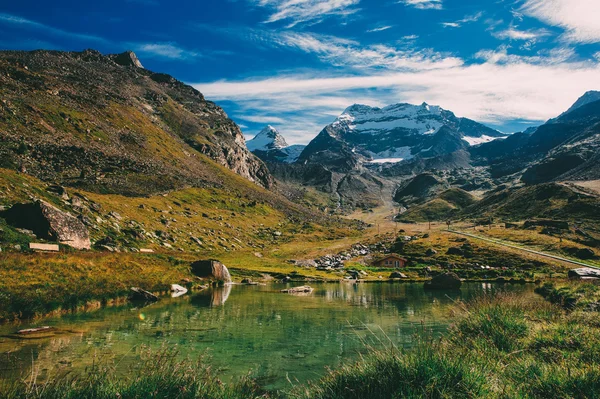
[
  {"x": 298, "y": 290},
  {"x": 584, "y": 273},
  {"x": 446, "y": 281},
  {"x": 138, "y": 294},
  {"x": 211, "y": 269},
  {"x": 50, "y": 223},
  {"x": 177, "y": 290}
]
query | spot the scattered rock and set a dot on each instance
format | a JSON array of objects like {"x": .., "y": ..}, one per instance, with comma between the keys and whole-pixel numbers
[
  {"x": 177, "y": 290},
  {"x": 35, "y": 330},
  {"x": 446, "y": 281},
  {"x": 430, "y": 252},
  {"x": 455, "y": 251},
  {"x": 398, "y": 275},
  {"x": 298, "y": 290},
  {"x": 584, "y": 273},
  {"x": 138, "y": 294}
]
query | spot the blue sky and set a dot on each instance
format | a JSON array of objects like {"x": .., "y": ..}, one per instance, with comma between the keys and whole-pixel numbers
[{"x": 297, "y": 64}]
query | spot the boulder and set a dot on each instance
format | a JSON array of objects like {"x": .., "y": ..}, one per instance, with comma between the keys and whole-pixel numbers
[
  {"x": 455, "y": 251},
  {"x": 50, "y": 223},
  {"x": 585, "y": 273},
  {"x": 430, "y": 252},
  {"x": 446, "y": 281},
  {"x": 585, "y": 253},
  {"x": 398, "y": 275},
  {"x": 138, "y": 294},
  {"x": 211, "y": 269}
]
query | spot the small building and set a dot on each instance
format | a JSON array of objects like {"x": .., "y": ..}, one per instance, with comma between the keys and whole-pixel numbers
[{"x": 391, "y": 260}]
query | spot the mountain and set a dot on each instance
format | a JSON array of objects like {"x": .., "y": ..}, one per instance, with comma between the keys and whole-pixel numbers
[
  {"x": 587, "y": 98},
  {"x": 270, "y": 146},
  {"x": 106, "y": 124},
  {"x": 566, "y": 147},
  {"x": 400, "y": 132}
]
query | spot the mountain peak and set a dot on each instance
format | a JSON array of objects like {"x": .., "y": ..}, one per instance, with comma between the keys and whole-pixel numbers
[
  {"x": 589, "y": 97},
  {"x": 268, "y": 139}
]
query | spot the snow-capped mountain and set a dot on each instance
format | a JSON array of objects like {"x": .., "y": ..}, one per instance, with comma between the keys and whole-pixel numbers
[
  {"x": 396, "y": 133},
  {"x": 270, "y": 145}
]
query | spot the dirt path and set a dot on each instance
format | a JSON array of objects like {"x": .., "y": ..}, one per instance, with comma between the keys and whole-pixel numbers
[{"x": 498, "y": 242}]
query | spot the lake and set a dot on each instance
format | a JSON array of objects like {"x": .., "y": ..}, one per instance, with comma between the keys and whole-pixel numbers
[{"x": 241, "y": 328}]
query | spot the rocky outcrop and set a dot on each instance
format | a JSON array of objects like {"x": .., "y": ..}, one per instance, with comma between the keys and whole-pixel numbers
[
  {"x": 49, "y": 223},
  {"x": 211, "y": 269},
  {"x": 128, "y": 58},
  {"x": 446, "y": 281}
]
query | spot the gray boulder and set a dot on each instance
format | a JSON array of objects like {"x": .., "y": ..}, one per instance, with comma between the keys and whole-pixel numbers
[
  {"x": 398, "y": 275},
  {"x": 49, "y": 223},
  {"x": 584, "y": 273},
  {"x": 211, "y": 269},
  {"x": 138, "y": 294},
  {"x": 446, "y": 281}
]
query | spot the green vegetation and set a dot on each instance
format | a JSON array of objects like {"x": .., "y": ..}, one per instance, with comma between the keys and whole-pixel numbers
[
  {"x": 498, "y": 347},
  {"x": 572, "y": 295}
]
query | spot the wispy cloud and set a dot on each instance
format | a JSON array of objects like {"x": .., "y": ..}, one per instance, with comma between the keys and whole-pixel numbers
[
  {"x": 299, "y": 11},
  {"x": 424, "y": 4},
  {"x": 579, "y": 18},
  {"x": 380, "y": 29},
  {"x": 347, "y": 53},
  {"x": 165, "y": 50},
  {"x": 466, "y": 20},
  {"x": 513, "y": 33},
  {"x": 24, "y": 23}
]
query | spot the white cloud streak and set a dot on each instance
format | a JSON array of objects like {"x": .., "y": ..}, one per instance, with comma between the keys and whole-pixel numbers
[
  {"x": 424, "y": 4},
  {"x": 579, "y": 18},
  {"x": 300, "y": 11},
  {"x": 165, "y": 50},
  {"x": 513, "y": 33}
]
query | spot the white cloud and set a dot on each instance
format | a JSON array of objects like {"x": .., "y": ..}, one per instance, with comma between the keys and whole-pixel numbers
[
  {"x": 513, "y": 33},
  {"x": 29, "y": 24},
  {"x": 579, "y": 18},
  {"x": 466, "y": 20},
  {"x": 424, "y": 4},
  {"x": 501, "y": 88},
  {"x": 166, "y": 50},
  {"x": 261, "y": 119},
  {"x": 299, "y": 11},
  {"x": 380, "y": 29}
]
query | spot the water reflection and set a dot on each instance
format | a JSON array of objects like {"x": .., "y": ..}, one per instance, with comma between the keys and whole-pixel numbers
[
  {"x": 212, "y": 297},
  {"x": 248, "y": 327}
]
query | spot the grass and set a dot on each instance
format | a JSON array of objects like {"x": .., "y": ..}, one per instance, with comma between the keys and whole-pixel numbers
[
  {"x": 499, "y": 347},
  {"x": 572, "y": 295}
]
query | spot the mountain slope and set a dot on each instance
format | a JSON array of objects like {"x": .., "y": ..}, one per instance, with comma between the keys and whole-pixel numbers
[{"x": 105, "y": 124}]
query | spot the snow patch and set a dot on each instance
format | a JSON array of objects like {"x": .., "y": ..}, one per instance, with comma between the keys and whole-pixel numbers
[{"x": 480, "y": 140}]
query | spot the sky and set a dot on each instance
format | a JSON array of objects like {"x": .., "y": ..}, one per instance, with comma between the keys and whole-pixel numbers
[{"x": 297, "y": 64}]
